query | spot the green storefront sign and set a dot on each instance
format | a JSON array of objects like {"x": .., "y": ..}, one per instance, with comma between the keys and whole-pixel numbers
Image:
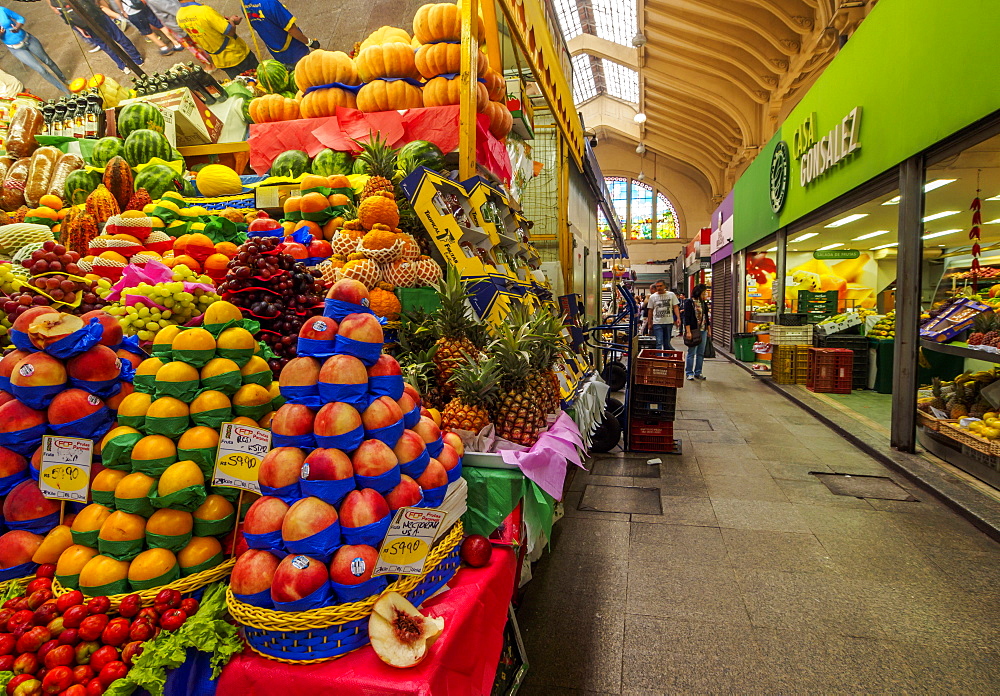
[{"x": 837, "y": 254}]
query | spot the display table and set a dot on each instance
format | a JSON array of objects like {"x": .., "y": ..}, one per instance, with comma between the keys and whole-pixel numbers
[{"x": 462, "y": 661}]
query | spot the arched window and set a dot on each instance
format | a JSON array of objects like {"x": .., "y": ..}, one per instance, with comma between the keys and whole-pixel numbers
[{"x": 649, "y": 214}]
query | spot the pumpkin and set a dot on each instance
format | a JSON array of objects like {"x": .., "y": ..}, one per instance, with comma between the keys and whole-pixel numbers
[
  {"x": 101, "y": 204},
  {"x": 324, "y": 102},
  {"x": 385, "y": 35},
  {"x": 496, "y": 86},
  {"x": 325, "y": 67},
  {"x": 500, "y": 119},
  {"x": 273, "y": 107},
  {"x": 387, "y": 60},
  {"x": 445, "y": 59},
  {"x": 389, "y": 96},
  {"x": 441, "y": 92},
  {"x": 442, "y": 22}
]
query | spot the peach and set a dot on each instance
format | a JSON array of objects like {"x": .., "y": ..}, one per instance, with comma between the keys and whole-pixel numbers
[
  {"x": 18, "y": 546},
  {"x": 5, "y": 397},
  {"x": 334, "y": 418},
  {"x": 25, "y": 319},
  {"x": 381, "y": 413},
  {"x": 297, "y": 577},
  {"x": 281, "y": 467},
  {"x": 25, "y": 502},
  {"x": 293, "y": 419},
  {"x": 265, "y": 515},
  {"x": 353, "y": 565},
  {"x": 361, "y": 327},
  {"x": 12, "y": 463},
  {"x": 10, "y": 360},
  {"x": 73, "y": 404},
  {"x": 405, "y": 494},
  {"x": 97, "y": 365},
  {"x": 15, "y": 416},
  {"x": 406, "y": 403},
  {"x": 427, "y": 429},
  {"x": 362, "y": 508},
  {"x": 348, "y": 290},
  {"x": 412, "y": 391},
  {"x": 38, "y": 370},
  {"x": 409, "y": 446},
  {"x": 385, "y": 366},
  {"x": 455, "y": 442},
  {"x": 448, "y": 457},
  {"x": 253, "y": 572},
  {"x": 306, "y": 517},
  {"x": 326, "y": 465},
  {"x": 343, "y": 369},
  {"x": 319, "y": 329},
  {"x": 372, "y": 458},
  {"x": 129, "y": 357},
  {"x": 116, "y": 400},
  {"x": 46, "y": 329},
  {"x": 299, "y": 372},
  {"x": 434, "y": 475},
  {"x": 112, "y": 335}
]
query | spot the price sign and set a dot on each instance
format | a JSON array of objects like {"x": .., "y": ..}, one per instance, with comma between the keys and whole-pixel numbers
[
  {"x": 65, "y": 468},
  {"x": 241, "y": 450},
  {"x": 408, "y": 541}
]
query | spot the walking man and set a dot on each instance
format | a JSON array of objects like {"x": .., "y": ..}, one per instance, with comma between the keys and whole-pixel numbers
[
  {"x": 29, "y": 50},
  {"x": 102, "y": 18},
  {"x": 277, "y": 28},
  {"x": 216, "y": 35},
  {"x": 663, "y": 313}
]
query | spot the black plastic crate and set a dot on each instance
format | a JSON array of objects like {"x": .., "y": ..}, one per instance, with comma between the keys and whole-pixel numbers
[
  {"x": 793, "y": 319},
  {"x": 654, "y": 403},
  {"x": 841, "y": 340}
]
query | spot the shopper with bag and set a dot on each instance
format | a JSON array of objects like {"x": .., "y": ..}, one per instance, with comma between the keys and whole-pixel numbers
[{"x": 696, "y": 323}]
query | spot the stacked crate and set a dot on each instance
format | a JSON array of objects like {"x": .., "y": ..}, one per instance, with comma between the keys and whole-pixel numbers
[
  {"x": 789, "y": 358},
  {"x": 818, "y": 305},
  {"x": 653, "y": 403},
  {"x": 830, "y": 370},
  {"x": 859, "y": 345}
]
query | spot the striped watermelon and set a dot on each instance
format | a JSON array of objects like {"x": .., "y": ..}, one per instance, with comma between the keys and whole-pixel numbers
[
  {"x": 105, "y": 149},
  {"x": 272, "y": 76},
  {"x": 143, "y": 145},
  {"x": 80, "y": 184},
  {"x": 157, "y": 179},
  {"x": 139, "y": 115}
]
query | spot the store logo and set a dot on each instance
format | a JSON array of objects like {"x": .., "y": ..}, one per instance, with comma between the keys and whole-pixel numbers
[
  {"x": 818, "y": 155},
  {"x": 781, "y": 173}
]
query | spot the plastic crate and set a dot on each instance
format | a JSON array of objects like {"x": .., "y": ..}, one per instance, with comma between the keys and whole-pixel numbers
[
  {"x": 830, "y": 371},
  {"x": 791, "y": 335},
  {"x": 661, "y": 368},
  {"x": 793, "y": 319},
  {"x": 651, "y": 436},
  {"x": 817, "y": 304},
  {"x": 801, "y": 364},
  {"x": 783, "y": 364},
  {"x": 839, "y": 340},
  {"x": 654, "y": 403}
]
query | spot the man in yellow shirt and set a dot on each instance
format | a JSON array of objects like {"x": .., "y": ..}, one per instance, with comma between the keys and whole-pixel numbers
[{"x": 216, "y": 35}]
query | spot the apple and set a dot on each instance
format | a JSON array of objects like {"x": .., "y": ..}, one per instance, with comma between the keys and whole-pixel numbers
[
  {"x": 453, "y": 440},
  {"x": 58, "y": 679},
  {"x": 98, "y": 364},
  {"x": 173, "y": 619},
  {"x": 353, "y": 565},
  {"x": 102, "y": 656},
  {"x": 412, "y": 391},
  {"x": 306, "y": 517},
  {"x": 373, "y": 458},
  {"x": 26, "y": 663},
  {"x": 93, "y": 626},
  {"x": 434, "y": 476},
  {"x": 73, "y": 404},
  {"x": 343, "y": 369},
  {"x": 405, "y": 494},
  {"x": 116, "y": 632},
  {"x": 253, "y": 572},
  {"x": 112, "y": 334},
  {"x": 476, "y": 550},
  {"x": 363, "y": 507},
  {"x": 361, "y": 327},
  {"x": 345, "y": 290},
  {"x": 292, "y": 420},
  {"x": 113, "y": 671},
  {"x": 83, "y": 673},
  {"x": 427, "y": 429},
  {"x": 297, "y": 577},
  {"x": 15, "y": 416},
  {"x": 326, "y": 464},
  {"x": 129, "y": 606},
  {"x": 99, "y": 605},
  {"x": 281, "y": 466},
  {"x": 385, "y": 366},
  {"x": 300, "y": 372},
  {"x": 448, "y": 457},
  {"x": 131, "y": 651},
  {"x": 265, "y": 515},
  {"x": 11, "y": 359},
  {"x": 38, "y": 370}
]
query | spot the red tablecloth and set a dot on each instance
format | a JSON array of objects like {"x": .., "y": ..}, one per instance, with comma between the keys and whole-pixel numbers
[{"x": 462, "y": 662}]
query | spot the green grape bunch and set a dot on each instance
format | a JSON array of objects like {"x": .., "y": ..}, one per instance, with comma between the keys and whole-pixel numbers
[{"x": 178, "y": 305}]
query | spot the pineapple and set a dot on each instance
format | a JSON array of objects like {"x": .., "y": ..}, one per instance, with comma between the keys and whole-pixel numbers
[
  {"x": 455, "y": 324},
  {"x": 938, "y": 402},
  {"x": 475, "y": 385},
  {"x": 980, "y": 326},
  {"x": 522, "y": 409},
  {"x": 958, "y": 407},
  {"x": 419, "y": 371},
  {"x": 380, "y": 161}
]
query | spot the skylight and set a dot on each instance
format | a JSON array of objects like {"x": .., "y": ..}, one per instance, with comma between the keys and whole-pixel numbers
[
  {"x": 620, "y": 81},
  {"x": 569, "y": 18},
  {"x": 613, "y": 20},
  {"x": 584, "y": 87}
]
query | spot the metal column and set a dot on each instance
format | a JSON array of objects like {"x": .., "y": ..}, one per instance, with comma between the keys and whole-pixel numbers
[{"x": 778, "y": 286}]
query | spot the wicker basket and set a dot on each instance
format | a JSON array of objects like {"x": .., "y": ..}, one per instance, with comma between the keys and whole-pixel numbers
[
  {"x": 318, "y": 635},
  {"x": 968, "y": 438},
  {"x": 928, "y": 421}
]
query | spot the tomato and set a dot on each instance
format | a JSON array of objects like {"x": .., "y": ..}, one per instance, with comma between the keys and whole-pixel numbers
[
  {"x": 173, "y": 619},
  {"x": 111, "y": 672},
  {"x": 116, "y": 632},
  {"x": 102, "y": 656},
  {"x": 92, "y": 626},
  {"x": 99, "y": 605}
]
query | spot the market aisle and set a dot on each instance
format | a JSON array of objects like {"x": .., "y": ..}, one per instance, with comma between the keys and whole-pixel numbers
[{"x": 755, "y": 578}]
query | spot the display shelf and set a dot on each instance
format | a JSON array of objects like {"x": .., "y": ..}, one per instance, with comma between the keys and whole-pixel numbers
[{"x": 961, "y": 350}]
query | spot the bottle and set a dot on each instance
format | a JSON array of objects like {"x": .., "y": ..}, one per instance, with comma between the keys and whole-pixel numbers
[
  {"x": 208, "y": 83},
  {"x": 95, "y": 114},
  {"x": 186, "y": 78},
  {"x": 58, "y": 117},
  {"x": 80, "y": 116},
  {"x": 68, "y": 118},
  {"x": 48, "y": 111}
]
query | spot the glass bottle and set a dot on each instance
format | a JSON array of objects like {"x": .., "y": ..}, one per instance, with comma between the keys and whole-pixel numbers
[
  {"x": 58, "y": 117},
  {"x": 48, "y": 111}
]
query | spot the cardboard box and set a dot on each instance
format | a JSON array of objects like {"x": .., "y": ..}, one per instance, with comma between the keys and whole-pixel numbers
[
  {"x": 194, "y": 123},
  {"x": 230, "y": 113}
]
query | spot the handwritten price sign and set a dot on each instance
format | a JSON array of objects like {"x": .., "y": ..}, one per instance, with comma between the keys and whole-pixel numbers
[
  {"x": 406, "y": 545},
  {"x": 65, "y": 468},
  {"x": 241, "y": 450}
]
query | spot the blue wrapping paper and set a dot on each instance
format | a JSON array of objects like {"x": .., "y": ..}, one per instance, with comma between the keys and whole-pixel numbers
[
  {"x": 354, "y": 394},
  {"x": 335, "y": 309},
  {"x": 455, "y": 473},
  {"x": 331, "y": 492},
  {"x": 434, "y": 448},
  {"x": 39, "y": 525},
  {"x": 353, "y": 89},
  {"x": 363, "y": 590},
  {"x": 414, "y": 468},
  {"x": 412, "y": 417},
  {"x": 371, "y": 534},
  {"x": 287, "y": 493},
  {"x": 21, "y": 341},
  {"x": 348, "y": 442},
  {"x": 383, "y": 483},
  {"x": 131, "y": 344},
  {"x": 269, "y": 541},
  {"x": 24, "y": 442},
  {"x": 323, "y": 597},
  {"x": 104, "y": 389},
  {"x": 306, "y": 442},
  {"x": 258, "y": 599},
  {"x": 5, "y": 384},
  {"x": 365, "y": 352},
  {"x": 386, "y": 385},
  {"x": 19, "y": 571},
  {"x": 320, "y": 545},
  {"x": 127, "y": 371},
  {"x": 8, "y": 482},
  {"x": 34, "y": 473},
  {"x": 77, "y": 342},
  {"x": 314, "y": 260},
  {"x": 433, "y": 496},
  {"x": 314, "y": 348},
  {"x": 37, "y": 397},
  {"x": 307, "y": 395},
  {"x": 390, "y": 434},
  {"x": 92, "y": 427}
]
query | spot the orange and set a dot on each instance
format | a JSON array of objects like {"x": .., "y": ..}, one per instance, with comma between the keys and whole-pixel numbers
[
  {"x": 312, "y": 181},
  {"x": 339, "y": 199},
  {"x": 187, "y": 261},
  {"x": 310, "y": 227},
  {"x": 50, "y": 201},
  {"x": 227, "y": 248},
  {"x": 313, "y": 203},
  {"x": 339, "y": 181},
  {"x": 180, "y": 244},
  {"x": 292, "y": 204},
  {"x": 215, "y": 265}
]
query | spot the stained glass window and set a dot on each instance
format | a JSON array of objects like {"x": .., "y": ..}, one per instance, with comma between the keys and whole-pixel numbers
[
  {"x": 603, "y": 227},
  {"x": 666, "y": 218},
  {"x": 650, "y": 214},
  {"x": 641, "y": 211}
]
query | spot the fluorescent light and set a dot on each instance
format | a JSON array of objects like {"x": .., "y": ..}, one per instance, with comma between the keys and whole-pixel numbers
[
  {"x": 938, "y": 216},
  {"x": 929, "y": 186},
  {"x": 803, "y": 237},
  {"x": 892, "y": 201},
  {"x": 870, "y": 235},
  {"x": 830, "y": 246},
  {"x": 884, "y": 246},
  {"x": 993, "y": 222},
  {"x": 849, "y": 218},
  {"x": 773, "y": 249},
  {"x": 932, "y": 235}
]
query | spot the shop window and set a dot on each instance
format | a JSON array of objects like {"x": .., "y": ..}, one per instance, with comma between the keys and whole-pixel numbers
[{"x": 648, "y": 213}]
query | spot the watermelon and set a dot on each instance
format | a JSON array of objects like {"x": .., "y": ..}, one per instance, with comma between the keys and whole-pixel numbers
[
  {"x": 187, "y": 188},
  {"x": 272, "y": 76},
  {"x": 157, "y": 179},
  {"x": 419, "y": 153},
  {"x": 327, "y": 163},
  {"x": 359, "y": 167},
  {"x": 143, "y": 145},
  {"x": 139, "y": 115},
  {"x": 105, "y": 149},
  {"x": 80, "y": 184},
  {"x": 291, "y": 163},
  {"x": 175, "y": 155}
]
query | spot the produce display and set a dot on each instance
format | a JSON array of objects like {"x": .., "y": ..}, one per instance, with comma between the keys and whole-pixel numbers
[{"x": 885, "y": 327}]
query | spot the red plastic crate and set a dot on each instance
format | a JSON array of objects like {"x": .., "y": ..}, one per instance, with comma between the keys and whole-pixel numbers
[
  {"x": 651, "y": 436},
  {"x": 831, "y": 370},
  {"x": 660, "y": 368}
]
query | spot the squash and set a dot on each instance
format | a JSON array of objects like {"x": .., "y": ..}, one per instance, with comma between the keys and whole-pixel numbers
[
  {"x": 101, "y": 204},
  {"x": 500, "y": 119},
  {"x": 118, "y": 179},
  {"x": 389, "y": 96},
  {"x": 273, "y": 107},
  {"x": 78, "y": 232},
  {"x": 442, "y": 22},
  {"x": 445, "y": 59},
  {"x": 324, "y": 102},
  {"x": 325, "y": 67},
  {"x": 385, "y": 35},
  {"x": 441, "y": 91},
  {"x": 496, "y": 85},
  {"x": 386, "y": 60}
]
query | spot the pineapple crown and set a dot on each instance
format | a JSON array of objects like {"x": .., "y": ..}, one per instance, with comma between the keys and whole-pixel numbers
[
  {"x": 416, "y": 333},
  {"x": 454, "y": 318},
  {"x": 419, "y": 369},
  {"x": 378, "y": 157},
  {"x": 513, "y": 351},
  {"x": 476, "y": 382}
]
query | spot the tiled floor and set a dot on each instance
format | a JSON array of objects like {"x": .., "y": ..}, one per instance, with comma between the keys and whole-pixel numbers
[{"x": 755, "y": 578}]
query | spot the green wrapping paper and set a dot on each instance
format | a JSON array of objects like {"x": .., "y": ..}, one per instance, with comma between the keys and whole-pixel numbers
[
  {"x": 204, "y": 528},
  {"x": 187, "y": 499},
  {"x": 120, "y": 550},
  {"x": 277, "y": 402},
  {"x": 168, "y": 577},
  {"x": 105, "y": 498},
  {"x": 171, "y": 542},
  {"x": 172, "y": 427},
  {"x": 182, "y": 391},
  {"x": 137, "y": 422},
  {"x": 71, "y": 582},
  {"x": 197, "y": 358},
  {"x": 117, "y": 452},
  {"x": 107, "y": 589},
  {"x": 163, "y": 351},
  {"x": 227, "y": 382},
  {"x": 233, "y": 496},
  {"x": 254, "y": 412},
  {"x": 204, "y": 457},
  {"x": 136, "y": 506},
  {"x": 210, "y": 563},
  {"x": 86, "y": 538},
  {"x": 213, "y": 418},
  {"x": 145, "y": 383},
  {"x": 153, "y": 467},
  {"x": 237, "y": 355},
  {"x": 263, "y": 378},
  {"x": 216, "y": 329}
]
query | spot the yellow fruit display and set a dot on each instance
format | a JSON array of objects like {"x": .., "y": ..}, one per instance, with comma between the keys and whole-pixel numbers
[
  {"x": 165, "y": 337},
  {"x": 72, "y": 560},
  {"x": 214, "y": 508},
  {"x": 198, "y": 437},
  {"x": 107, "y": 481},
  {"x": 220, "y": 311},
  {"x": 90, "y": 518},
  {"x": 198, "y": 551},
  {"x": 135, "y": 405},
  {"x": 196, "y": 339},
  {"x": 178, "y": 476},
  {"x": 170, "y": 523},
  {"x": 151, "y": 564},
  {"x": 102, "y": 570},
  {"x": 53, "y": 545},
  {"x": 167, "y": 407},
  {"x": 123, "y": 526}
]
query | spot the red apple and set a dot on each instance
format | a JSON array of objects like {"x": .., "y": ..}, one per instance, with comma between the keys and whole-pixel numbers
[
  {"x": 353, "y": 565},
  {"x": 292, "y": 420},
  {"x": 405, "y": 494},
  {"x": 102, "y": 656},
  {"x": 476, "y": 550},
  {"x": 335, "y": 418},
  {"x": 385, "y": 366},
  {"x": 297, "y": 577},
  {"x": 319, "y": 329},
  {"x": 306, "y": 517},
  {"x": 326, "y": 464},
  {"x": 253, "y": 572},
  {"x": 372, "y": 458},
  {"x": 362, "y": 508},
  {"x": 281, "y": 466}
]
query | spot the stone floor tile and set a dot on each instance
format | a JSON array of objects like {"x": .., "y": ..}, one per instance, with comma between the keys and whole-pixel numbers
[
  {"x": 954, "y": 669},
  {"x": 708, "y": 451},
  {"x": 678, "y": 509},
  {"x": 719, "y": 466},
  {"x": 674, "y": 465},
  {"x": 635, "y": 467},
  {"x": 834, "y": 522},
  {"x": 744, "y": 488},
  {"x": 776, "y": 453},
  {"x": 592, "y": 537},
  {"x": 571, "y": 503},
  {"x": 815, "y": 493},
  {"x": 793, "y": 471},
  {"x": 683, "y": 485},
  {"x": 759, "y": 514},
  {"x": 692, "y": 592},
  {"x": 677, "y": 544},
  {"x": 582, "y": 478},
  {"x": 780, "y": 551}
]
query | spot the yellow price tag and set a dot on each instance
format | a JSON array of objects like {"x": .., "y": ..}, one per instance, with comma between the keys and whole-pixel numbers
[
  {"x": 241, "y": 450},
  {"x": 65, "y": 477},
  {"x": 403, "y": 551},
  {"x": 408, "y": 541},
  {"x": 239, "y": 465},
  {"x": 64, "y": 473}
]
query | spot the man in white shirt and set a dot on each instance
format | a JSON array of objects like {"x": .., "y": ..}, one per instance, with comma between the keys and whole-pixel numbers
[{"x": 663, "y": 314}]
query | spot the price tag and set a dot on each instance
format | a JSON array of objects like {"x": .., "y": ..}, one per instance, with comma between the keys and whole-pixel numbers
[
  {"x": 408, "y": 541},
  {"x": 65, "y": 468},
  {"x": 241, "y": 450}
]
